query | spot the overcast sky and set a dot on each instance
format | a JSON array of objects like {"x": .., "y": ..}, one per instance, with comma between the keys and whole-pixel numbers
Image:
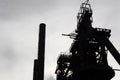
[{"x": 19, "y": 21}]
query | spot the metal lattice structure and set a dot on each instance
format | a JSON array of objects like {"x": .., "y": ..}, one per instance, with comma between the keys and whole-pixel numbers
[{"x": 87, "y": 58}]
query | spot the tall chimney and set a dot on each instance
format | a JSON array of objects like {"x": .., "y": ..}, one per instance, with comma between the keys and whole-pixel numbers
[{"x": 38, "y": 73}]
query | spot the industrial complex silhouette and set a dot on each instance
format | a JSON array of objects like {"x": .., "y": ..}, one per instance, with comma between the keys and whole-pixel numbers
[{"x": 87, "y": 57}]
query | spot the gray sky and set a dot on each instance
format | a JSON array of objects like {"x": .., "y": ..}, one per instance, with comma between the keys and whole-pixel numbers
[{"x": 19, "y": 20}]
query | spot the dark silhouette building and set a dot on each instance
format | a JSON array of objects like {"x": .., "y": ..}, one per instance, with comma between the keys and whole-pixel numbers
[
  {"x": 87, "y": 57},
  {"x": 38, "y": 73}
]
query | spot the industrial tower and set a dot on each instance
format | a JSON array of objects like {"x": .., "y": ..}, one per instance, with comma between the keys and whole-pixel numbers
[
  {"x": 87, "y": 57},
  {"x": 38, "y": 73}
]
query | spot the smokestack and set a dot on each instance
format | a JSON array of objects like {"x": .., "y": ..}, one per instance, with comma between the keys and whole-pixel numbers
[{"x": 39, "y": 63}]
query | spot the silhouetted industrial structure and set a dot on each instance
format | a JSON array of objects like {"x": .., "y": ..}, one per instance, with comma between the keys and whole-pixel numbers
[
  {"x": 39, "y": 63},
  {"x": 87, "y": 57}
]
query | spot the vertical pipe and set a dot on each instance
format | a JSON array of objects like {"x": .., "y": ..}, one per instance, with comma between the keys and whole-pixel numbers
[
  {"x": 41, "y": 43},
  {"x": 39, "y": 63}
]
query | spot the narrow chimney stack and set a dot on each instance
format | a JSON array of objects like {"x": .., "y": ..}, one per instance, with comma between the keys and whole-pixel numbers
[{"x": 39, "y": 63}]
